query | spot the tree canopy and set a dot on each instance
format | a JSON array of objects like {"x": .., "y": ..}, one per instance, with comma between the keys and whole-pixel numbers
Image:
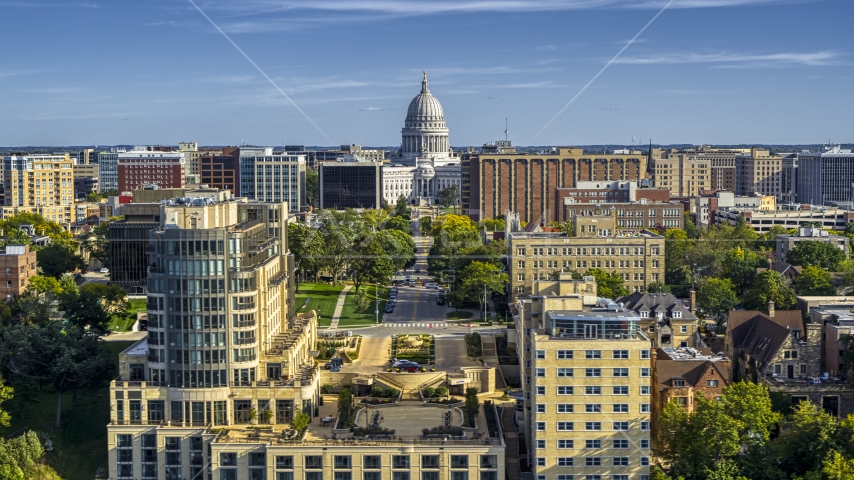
[{"x": 815, "y": 253}]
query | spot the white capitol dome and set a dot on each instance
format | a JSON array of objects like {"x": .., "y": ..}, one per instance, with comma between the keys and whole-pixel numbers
[{"x": 425, "y": 134}]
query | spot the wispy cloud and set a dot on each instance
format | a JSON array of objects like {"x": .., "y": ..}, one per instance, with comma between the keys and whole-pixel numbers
[
  {"x": 544, "y": 84},
  {"x": 742, "y": 60},
  {"x": 31, "y": 4},
  {"x": 371, "y": 109}
]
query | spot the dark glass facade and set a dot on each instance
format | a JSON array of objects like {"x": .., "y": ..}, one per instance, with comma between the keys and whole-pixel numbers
[{"x": 350, "y": 185}]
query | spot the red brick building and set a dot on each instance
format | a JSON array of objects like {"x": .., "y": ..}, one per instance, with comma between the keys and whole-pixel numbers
[
  {"x": 145, "y": 166},
  {"x": 18, "y": 264},
  {"x": 221, "y": 171},
  {"x": 651, "y": 215},
  {"x": 494, "y": 183}
]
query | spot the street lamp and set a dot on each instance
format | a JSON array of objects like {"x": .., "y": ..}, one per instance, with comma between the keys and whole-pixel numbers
[{"x": 377, "y": 302}]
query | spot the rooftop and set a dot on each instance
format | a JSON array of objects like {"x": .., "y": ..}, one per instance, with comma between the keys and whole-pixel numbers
[{"x": 688, "y": 353}]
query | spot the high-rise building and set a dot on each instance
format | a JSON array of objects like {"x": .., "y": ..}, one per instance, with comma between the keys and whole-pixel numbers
[
  {"x": 501, "y": 180},
  {"x": 85, "y": 179},
  {"x": 266, "y": 176},
  {"x": 223, "y": 340},
  {"x": 108, "y": 170},
  {"x": 789, "y": 178},
  {"x": 826, "y": 178},
  {"x": 150, "y": 166},
  {"x": 351, "y": 185},
  {"x": 42, "y": 184},
  {"x": 192, "y": 154},
  {"x": 636, "y": 254},
  {"x": 128, "y": 245},
  {"x": 759, "y": 172},
  {"x": 587, "y": 379},
  {"x": 221, "y": 171},
  {"x": 689, "y": 171}
]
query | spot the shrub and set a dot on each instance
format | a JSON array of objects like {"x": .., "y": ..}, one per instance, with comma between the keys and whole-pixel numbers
[
  {"x": 326, "y": 389},
  {"x": 300, "y": 421},
  {"x": 429, "y": 392},
  {"x": 442, "y": 391},
  {"x": 392, "y": 392},
  {"x": 377, "y": 392},
  {"x": 442, "y": 430}
]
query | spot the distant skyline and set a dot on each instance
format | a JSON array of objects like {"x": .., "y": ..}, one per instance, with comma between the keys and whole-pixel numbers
[{"x": 156, "y": 72}]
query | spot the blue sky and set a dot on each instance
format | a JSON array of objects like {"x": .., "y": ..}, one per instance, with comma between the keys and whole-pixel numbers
[{"x": 706, "y": 71}]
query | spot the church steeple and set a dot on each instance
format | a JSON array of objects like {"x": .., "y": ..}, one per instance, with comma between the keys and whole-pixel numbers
[{"x": 424, "y": 88}]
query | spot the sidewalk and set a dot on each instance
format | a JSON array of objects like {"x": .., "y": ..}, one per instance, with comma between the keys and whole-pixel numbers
[{"x": 339, "y": 307}]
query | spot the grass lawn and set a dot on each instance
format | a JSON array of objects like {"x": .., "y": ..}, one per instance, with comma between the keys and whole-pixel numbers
[
  {"x": 321, "y": 297},
  {"x": 460, "y": 315},
  {"x": 350, "y": 317},
  {"x": 123, "y": 323},
  {"x": 80, "y": 446}
]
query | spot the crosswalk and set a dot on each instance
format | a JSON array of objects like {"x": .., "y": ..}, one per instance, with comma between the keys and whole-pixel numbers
[{"x": 416, "y": 325}]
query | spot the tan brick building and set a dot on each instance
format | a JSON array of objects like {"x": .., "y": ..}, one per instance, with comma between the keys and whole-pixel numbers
[
  {"x": 759, "y": 172},
  {"x": 637, "y": 255},
  {"x": 42, "y": 184},
  {"x": 18, "y": 264},
  {"x": 687, "y": 172},
  {"x": 497, "y": 182},
  {"x": 587, "y": 371}
]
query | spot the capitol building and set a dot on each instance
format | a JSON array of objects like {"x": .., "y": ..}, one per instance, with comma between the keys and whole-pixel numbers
[{"x": 426, "y": 164}]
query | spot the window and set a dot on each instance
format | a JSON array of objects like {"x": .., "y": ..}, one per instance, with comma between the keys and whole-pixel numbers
[
  {"x": 488, "y": 461},
  {"x": 541, "y": 390},
  {"x": 644, "y": 372},
  {"x": 711, "y": 383},
  {"x": 620, "y": 477},
  {"x": 225, "y": 474},
  {"x": 621, "y": 426},
  {"x": 592, "y": 462},
  {"x": 621, "y": 444},
  {"x": 644, "y": 354},
  {"x": 540, "y": 354},
  {"x": 540, "y": 408},
  {"x": 621, "y": 408},
  {"x": 400, "y": 476},
  {"x": 343, "y": 461},
  {"x": 313, "y": 462},
  {"x": 228, "y": 459},
  {"x": 565, "y": 426},
  {"x": 644, "y": 426},
  {"x": 621, "y": 354},
  {"x": 285, "y": 462},
  {"x": 793, "y": 354},
  {"x": 592, "y": 372},
  {"x": 593, "y": 354},
  {"x": 621, "y": 390},
  {"x": 540, "y": 372},
  {"x": 620, "y": 461},
  {"x": 173, "y": 443},
  {"x": 564, "y": 372},
  {"x": 683, "y": 328},
  {"x": 644, "y": 390},
  {"x": 540, "y": 445},
  {"x": 593, "y": 425},
  {"x": 378, "y": 475},
  {"x": 485, "y": 475},
  {"x": 428, "y": 461},
  {"x": 593, "y": 408},
  {"x": 644, "y": 443},
  {"x": 565, "y": 477},
  {"x": 459, "y": 475},
  {"x": 593, "y": 390},
  {"x": 644, "y": 461},
  {"x": 562, "y": 390},
  {"x": 564, "y": 461},
  {"x": 459, "y": 461},
  {"x": 677, "y": 314},
  {"x": 621, "y": 372},
  {"x": 645, "y": 408},
  {"x": 593, "y": 444},
  {"x": 541, "y": 461},
  {"x": 564, "y": 354},
  {"x": 564, "y": 408},
  {"x": 565, "y": 444},
  {"x": 540, "y": 426}
]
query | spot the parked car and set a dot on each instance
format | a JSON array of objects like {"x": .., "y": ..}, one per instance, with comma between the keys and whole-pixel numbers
[
  {"x": 389, "y": 308},
  {"x": 105, "y": 270},
  {"x": 440, "y": 301}
]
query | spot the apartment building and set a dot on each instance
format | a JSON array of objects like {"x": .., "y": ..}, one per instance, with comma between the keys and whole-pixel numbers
[
  {"x": 42, "y": 184},
  {"x": 826, "y": 177},
  {"x": 150, "y": 166},
  {"x": 19, "y": 263},
  {"x": 221, "y": 171},
  {"x": 223, "y": 339},
  {"x": 705, "y": 206},
  {"x": 785, "y": 243},
  {"x": 266, "y": 176},
  {"x": 587, "y": 383},
  {"x": 499, "y": 180},
  {"x": 642, "y": 214},
  {"x": 759, "y": 172},
  {"x": 192, "y": 154},
  {"x": 687, "y": 172},
  {"x": 665, "y": 320},
  {"x": 636, "y": 254}
]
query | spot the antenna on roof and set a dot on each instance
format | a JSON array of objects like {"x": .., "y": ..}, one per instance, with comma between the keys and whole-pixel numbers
[{"x": 506, "y": 131}]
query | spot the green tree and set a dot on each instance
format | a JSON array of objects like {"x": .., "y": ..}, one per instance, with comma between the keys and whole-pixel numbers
[
  {"x": 56, "y": 260},
  {"x": 716, "y": 297},
  {"x": 472, "y": 406},
  {"x": 300, "y": 421},
  {"x": 567, "y": 227},
  {"x": 44, "y": 287},
  {"x": 375, "y": 217},
  {"x": 477, "y": 279},
  {"x": 608, "y": 284},
  {"x": 769, "y": 286},
  {"x": 399, "y": 246},
  {"x": 658, "y": 287},
  {"x": 338, "y": 231},
  {"x": 749, "y": 404},
  {"x": 401, "y": 207},
  {"x": 97, "y": 241},
  {"x": 398, "y": 223},
  {"x": 312, "y": 188},
  {"x": 426, "y": 225},
  {"x": 449, "y": 196},
  {"x": 739, "y": 266},
  {"x": 677, "y": 269},
  {"x": 837, "y": 467},
  {"x": 811, "y": 436},
  {"x": 690, "y": 227},
  {"x": 814, "y": 281},
  {"x": 306, "y": 245},
  {"x": 814, "y": 253},
  {"x": 493, "y": 224},
  {"x": 369, "y": 262},
  {"x": 345, "y": 408},
  {"x": 451, "y": 233}
]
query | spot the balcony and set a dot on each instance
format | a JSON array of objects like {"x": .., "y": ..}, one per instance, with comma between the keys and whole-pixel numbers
[
  {"x": 245, "y": 358},
  {"x": 244, "y": 306},
  {"x": 245, "y": 341},
  {"x": 251, "y": 323}
]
